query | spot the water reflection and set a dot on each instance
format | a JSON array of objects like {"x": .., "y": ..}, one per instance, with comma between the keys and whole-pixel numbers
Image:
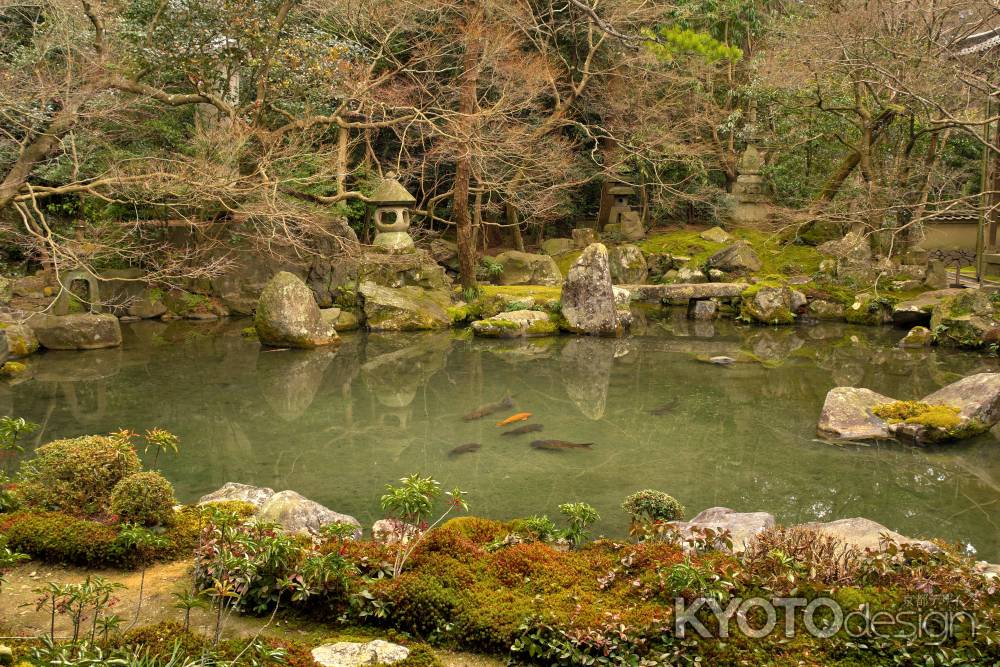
[{"x": 337, "y": 425}]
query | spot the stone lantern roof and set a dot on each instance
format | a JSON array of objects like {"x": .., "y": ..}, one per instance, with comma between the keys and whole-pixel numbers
[
  {"x": 621, "y": 190},
  {"x": 391, "y": 192}
]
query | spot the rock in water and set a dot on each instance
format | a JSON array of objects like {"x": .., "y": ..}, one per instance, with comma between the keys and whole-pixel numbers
[
  {"x": 516, "y": 324},
  {"x": 404, "y": 308},
  {"x": 737, "y": 258},
  {"x": 288, "y": 316},
  {"x": 85, "y": 331},
  {"x": 977, "y": 397},
  {"x": 847, "y": 415},
  {"x": 255, "y": 495},
  {"x": 588, "y": 300},
  {"x": 771, "y": 305},
  {"x": 297, "y": 514},
  {"x": 355, "y": 654},
  {"x": 523, "y": 268},
  {"x": 917, "y": 337}
]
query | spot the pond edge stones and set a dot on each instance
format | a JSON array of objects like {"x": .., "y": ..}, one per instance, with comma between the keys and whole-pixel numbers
[{"x": 588, "y": 298}]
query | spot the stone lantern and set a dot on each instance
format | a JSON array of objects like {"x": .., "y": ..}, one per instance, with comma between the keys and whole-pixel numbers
[
  {"x": 624, "y": 219},
  {"x": 750, "y": 189},
  {"x": 392, "y": 216}
]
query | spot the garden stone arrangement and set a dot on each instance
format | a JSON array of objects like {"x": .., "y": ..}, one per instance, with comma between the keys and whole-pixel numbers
[{"x": 491, "y": 333}]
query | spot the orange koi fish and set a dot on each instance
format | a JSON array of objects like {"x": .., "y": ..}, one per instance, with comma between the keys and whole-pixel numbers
[{"x": 519, "y": 417}]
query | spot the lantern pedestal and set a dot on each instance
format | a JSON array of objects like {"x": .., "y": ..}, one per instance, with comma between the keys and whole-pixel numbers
[{"x": 395, "y": 243}]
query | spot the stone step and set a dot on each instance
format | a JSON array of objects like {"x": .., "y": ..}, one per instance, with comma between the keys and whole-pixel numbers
[{"x": 681, "y": 293}]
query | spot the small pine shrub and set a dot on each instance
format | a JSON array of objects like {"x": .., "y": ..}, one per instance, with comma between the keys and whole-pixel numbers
[
  {"x": 145, "y": 498},
  {"x": 77, "y": 475}
]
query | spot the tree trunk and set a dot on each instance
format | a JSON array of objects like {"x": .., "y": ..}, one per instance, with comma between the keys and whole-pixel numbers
[
  {"x": 38, "y": 149},
  {"x": 515, "y": 227},
  {"x": 342, "y": 138},
  {"x": 460, "y": 206}
]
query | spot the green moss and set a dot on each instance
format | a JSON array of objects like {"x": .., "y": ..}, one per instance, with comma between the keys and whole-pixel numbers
[
  {"x": 945, "y": 420},
  {"x": 13, "y": 368},
  {"x": 542, "y": 328},
  {"x": 459, "y": 314},
  {"x": 566, "y": 261},
  {"x": 249, "y": 332},
  {"x": 520, "y": 291},
  {"x": 776, "y": 256}
]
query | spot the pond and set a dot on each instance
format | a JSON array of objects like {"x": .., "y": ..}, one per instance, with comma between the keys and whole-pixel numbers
[{"x": 337, "y": 426}]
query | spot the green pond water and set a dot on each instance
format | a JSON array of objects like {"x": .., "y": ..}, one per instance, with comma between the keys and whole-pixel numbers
[{"x": 337, "y": 426}]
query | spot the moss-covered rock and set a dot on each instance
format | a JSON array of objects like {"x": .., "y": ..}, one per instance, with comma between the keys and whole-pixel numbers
[
  {"x": 627, "y": 264},
  {"x": 516, "y": 324},
  {"x": 917, "y": 337},
  {"x": 770, "y": 303},
  {"x": 966, "y": 319},
  {"x": 522, "y": 268},
  {"x": 21, "y": 340},
  {"x": 404, "y": 308},
  {"x": 870, "y": 310}
]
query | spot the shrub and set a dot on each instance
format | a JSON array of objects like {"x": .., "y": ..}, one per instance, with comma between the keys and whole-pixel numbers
[
  {"x": 649, "y": 505},
  {"x": 58, "y": 537},
  {"x": 146, "y": 498},
  {"x": 77, "y": 475}
]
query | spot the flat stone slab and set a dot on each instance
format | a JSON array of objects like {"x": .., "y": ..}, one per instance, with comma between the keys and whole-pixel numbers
[
  {"x": 847, "y": 415},
  {"x": 680, "y": 292},
  {"x": 355, "y": 654}
]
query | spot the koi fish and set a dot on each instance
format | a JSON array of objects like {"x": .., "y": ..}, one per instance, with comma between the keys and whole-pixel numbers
[
  {"x": 530, "y": 428},
  {"x": 554, "y": 445},
  {"x": 519, "y": 417},
  {"x": 483, "y": 410},
  {"x": 467, "y": 448},
  {"x": 664, "y": 409}
]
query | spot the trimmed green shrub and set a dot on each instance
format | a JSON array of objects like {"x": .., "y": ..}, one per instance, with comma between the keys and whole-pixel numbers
[
  {"x": 77, "y": 475},
  {"x": 649, "y": 505},
  {"x": 146, "y": 498},
  {"x": 60, "y": 538}
]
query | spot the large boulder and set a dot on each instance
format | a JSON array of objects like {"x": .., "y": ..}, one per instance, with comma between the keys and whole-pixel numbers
[
  {"x": 147, "y": 305},
  {"x": 863, "y": 533},
  {"x": 404, "y": 308},
  {"x": 966, "y": 319},
  {"x": 847, "y": 415},
  {"x": 588, "y": 298},
  {"x": 822, "y": 309},
  {"x": 769, "y": 304},
  {"x": 627, "y": 264},
  {"x": 288, "y": 316},
  {"x": 737, "y": 258},
  {"x": 234, "y": 491},
  {"x": 355, "y": 654},
  {"x": 85, "y": 331},
  {"x": 516, "y": 324},
  {"x": 742, "y": 526},
  {"x": 917, "y": 311},
  {"x": 523, "y": 268},
  {"x": 297, "y": 514}
]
